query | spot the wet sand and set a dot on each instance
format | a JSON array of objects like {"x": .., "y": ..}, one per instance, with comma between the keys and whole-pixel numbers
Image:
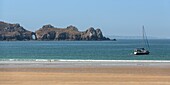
[{"x": 94, "y": 75}]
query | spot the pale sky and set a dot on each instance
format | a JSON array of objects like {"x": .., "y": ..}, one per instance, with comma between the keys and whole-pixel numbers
[{"x": 113, "y": 17}]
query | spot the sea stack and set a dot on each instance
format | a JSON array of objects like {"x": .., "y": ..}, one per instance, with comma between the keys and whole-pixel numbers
[{"x": 13, "y": 32}]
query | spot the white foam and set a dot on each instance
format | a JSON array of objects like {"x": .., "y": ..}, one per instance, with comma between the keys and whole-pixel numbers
[
  {"x": 43, "y": 60},
  {"x": 142, "y": 61},
  {"x": 65, "y": 60}
]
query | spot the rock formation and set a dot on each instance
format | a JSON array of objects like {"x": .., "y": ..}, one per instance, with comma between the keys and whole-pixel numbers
[
  {"x": 49, "y": 32},
  {"x": 14, "y": 32}
]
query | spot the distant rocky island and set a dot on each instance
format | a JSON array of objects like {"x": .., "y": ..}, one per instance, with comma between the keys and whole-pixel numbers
[{"x": 15, "y": 32}]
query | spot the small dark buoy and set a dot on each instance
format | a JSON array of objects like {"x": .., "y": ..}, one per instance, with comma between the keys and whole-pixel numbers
[{"x": 113, "y": 39}]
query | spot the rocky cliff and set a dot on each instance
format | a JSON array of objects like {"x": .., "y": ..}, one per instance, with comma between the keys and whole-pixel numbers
[
  {"x": 14, "y": 32},
  {"x": 49, "y": 32}
]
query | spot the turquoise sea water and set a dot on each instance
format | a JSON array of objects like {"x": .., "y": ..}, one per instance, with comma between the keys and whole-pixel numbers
[{"x": 83, "y": 50}]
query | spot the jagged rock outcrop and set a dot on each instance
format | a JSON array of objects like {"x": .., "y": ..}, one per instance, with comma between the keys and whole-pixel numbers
[
  {"x": 92, "y": 34},
  {"x": 49, "y": 32},
  {"x": 14, "y": 32}
]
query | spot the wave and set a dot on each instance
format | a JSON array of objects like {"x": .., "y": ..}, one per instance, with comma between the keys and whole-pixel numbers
[{"x": 69, "y": 60}]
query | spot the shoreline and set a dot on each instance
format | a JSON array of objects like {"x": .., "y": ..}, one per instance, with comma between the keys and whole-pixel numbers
[
  {"x": 84, "y": 64},
  {"x": 79, "y": 60},
  {"x": 84, "y": 73},
  {"x": 129, "y": 75}
]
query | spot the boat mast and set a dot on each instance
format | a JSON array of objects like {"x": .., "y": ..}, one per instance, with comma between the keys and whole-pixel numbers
[
  {"x": 145, "y": 38},
  {"x": 143, "y": 30}
]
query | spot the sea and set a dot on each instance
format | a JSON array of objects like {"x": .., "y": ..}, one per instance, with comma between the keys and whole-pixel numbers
[{"x": 82, "y": 50}]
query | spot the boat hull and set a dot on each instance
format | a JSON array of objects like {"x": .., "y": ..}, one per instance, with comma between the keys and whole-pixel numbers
[{"x": 141, "y": 53}]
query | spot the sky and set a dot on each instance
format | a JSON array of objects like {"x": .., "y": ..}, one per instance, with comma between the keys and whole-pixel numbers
[{"x": 113, "y": 17}]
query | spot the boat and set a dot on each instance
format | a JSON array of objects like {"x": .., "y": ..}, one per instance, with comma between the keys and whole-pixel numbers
[{"x": 143, "y": 51}]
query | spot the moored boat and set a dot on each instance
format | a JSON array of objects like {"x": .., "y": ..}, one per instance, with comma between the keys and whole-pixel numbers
[{"x": 143, "y": 51}]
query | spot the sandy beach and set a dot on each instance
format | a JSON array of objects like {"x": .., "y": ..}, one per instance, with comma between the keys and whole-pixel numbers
[{"x": 35, "y": 74}]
